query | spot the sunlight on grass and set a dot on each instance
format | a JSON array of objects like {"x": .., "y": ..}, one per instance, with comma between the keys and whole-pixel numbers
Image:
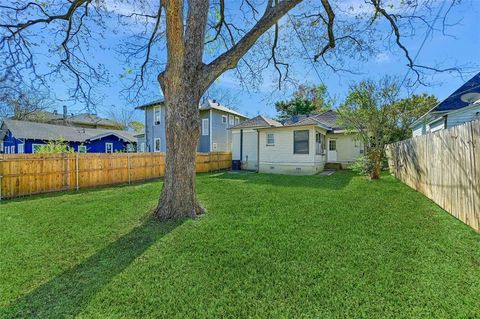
[{"x": 269, "y": 246}]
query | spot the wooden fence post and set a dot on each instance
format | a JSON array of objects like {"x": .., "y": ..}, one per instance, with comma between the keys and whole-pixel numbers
[
  {"x": 65, "y": 156},
  {"x": 76, "y": 171},
  {"x": 128, "y": 164}
]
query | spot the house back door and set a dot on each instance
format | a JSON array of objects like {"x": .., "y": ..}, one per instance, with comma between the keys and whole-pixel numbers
[{"x": 332, "y": 151}]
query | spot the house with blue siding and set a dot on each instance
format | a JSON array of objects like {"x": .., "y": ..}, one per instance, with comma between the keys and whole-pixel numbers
[
  {"x": 18, "y": 137},
  {"x": 215, "y": 121},
  {"x": 460, "y": 107}
]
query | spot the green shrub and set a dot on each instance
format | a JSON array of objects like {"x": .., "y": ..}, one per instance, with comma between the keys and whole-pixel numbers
[{"x": 363, "y": 166}]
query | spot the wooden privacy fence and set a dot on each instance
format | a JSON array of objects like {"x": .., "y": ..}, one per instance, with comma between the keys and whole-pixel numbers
[
  {"x": 445, "y": 167},
  {"x": 27, "y": 174}
]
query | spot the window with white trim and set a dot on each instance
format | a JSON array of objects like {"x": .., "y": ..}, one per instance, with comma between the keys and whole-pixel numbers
[
  {"x": 82, "y": 149},
  {"x": 1, "y": 146},
  {"x": 142, "y": 147},
  {"x": 300, "y": 142},
  {"x": 205, "y": 127},
  {"x": 21, "y": 148},
  {"x": 108, "y": 147},
  {"x": 157, "y": 145},
  {"x": 156, "y": 116},
  {"x": 12, "y": 149},
  {"x": 231, "y": 120},
  {"x": 224, "y": 119},
  {"x": 270, "y": 139},
  {"x": 319, "y": 143},
  {"x": 237, "y": 120},
  {"x": 7, "y": 149}
]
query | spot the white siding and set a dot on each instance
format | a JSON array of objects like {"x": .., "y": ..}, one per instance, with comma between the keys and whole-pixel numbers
[
  {"x": 347, "y": 149},
  {"x": 438, "y": 124},
  {"x": 280, "y": 159},
  {"x": 467, "y": 114},
  {"x": 418, "y": 129},
  {"x": 250, "y": 159},
  {"x": 249, "y": 154}
]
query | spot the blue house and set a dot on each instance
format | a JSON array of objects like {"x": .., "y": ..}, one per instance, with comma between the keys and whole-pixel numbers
[
  {"x": 460, "y": 107},
  {"x": 17, "y": 137},
  {"x": 215, "y": 121}
]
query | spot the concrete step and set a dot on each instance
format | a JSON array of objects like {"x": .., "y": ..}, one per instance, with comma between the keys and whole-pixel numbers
[{"x": 334, "y": 166}]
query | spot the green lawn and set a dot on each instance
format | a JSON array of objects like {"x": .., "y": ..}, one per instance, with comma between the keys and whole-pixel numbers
[{"x": 269, "y": 247}]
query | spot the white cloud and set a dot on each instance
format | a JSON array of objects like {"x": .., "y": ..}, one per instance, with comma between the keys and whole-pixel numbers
[{"x": 383, "y": 57}]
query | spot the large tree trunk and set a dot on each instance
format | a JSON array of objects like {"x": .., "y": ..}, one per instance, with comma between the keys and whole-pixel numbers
[{"x": 178, "y": 198}]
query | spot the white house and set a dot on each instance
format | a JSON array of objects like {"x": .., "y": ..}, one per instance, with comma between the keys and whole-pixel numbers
[
  {"x": 302, "y": 145},
  {"x": 461, "y": 106}
]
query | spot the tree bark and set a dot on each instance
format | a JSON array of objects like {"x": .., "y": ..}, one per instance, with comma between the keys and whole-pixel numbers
[{"x": 178, "y": 198}]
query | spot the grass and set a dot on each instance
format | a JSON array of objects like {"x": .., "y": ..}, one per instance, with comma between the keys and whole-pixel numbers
[{"x": 269, "y": 247}]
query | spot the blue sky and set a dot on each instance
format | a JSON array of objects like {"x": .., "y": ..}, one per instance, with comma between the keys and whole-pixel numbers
[{"x": 461, "y": 47}]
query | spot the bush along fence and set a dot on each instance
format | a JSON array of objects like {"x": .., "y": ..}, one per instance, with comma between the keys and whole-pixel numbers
[
  {"x": 28, "y": 174},
  {"x": 445, "y": 167}
]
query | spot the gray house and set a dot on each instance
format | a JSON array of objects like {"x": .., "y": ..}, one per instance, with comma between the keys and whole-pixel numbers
[{"x": 215, "y": 121}]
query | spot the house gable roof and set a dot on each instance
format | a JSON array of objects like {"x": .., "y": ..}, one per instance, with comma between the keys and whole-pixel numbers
[
  {"x": 258, "y": 121},
  {"x": 327, "y": 120},
  {"x": 42, "y": 131},
  {"x": 453, "y": 102}
]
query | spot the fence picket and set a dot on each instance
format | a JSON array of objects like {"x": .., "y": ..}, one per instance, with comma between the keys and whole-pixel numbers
[
  {"x": 445, "y": 167},
  {"x": 27, "y": 174}
]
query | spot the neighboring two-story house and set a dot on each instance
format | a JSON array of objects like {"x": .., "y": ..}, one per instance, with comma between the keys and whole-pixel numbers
[{"x": 215, "y": 121}]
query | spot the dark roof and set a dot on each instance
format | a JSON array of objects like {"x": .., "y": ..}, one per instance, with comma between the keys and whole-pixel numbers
[
  {"x": 454, "y": 101},
  {"x": 327, "y": 119},
  {"x": 258, "y": 121},
  {"x": 42, "y": 131}
]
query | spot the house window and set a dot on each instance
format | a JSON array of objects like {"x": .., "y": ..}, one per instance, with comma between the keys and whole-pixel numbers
[
  {"x": 237, "y": 120},
  {"x": 12, "y": 149},
  {"x": 108, "y": 147},
  {"x": 82, "y": 149},
  {"x": 300, "y": 142},
  {"x": 21, "y": 148},
  {"x": 332, "y": 145},
  {"x": 270, "y": 139},
  {"x": 1, "y": 146},
  {"x": 142, "y": 147},
  {"x": 156, "y": 116},
  {"x": 36, "y": 148},
  {"x": 224, "y": 119},
  {"x": 205, "y": 127},
  {"x": 231, "y": 120},
  {"x": 157, "y": 145},
  {"x": 319, "y": 143},
  {"x": 7, "y": 149}
]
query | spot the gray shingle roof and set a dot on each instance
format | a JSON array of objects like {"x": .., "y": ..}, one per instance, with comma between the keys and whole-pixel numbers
[
  {"x": 42, "y": 131},
  {"x": 258, "y": 121},
  {"x": 327, "y": 119}
]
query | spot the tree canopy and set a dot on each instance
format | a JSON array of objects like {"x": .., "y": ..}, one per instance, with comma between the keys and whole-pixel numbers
[{"x": 306, "y": 100}]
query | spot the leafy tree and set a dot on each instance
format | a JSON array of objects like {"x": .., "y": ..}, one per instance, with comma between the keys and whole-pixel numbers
[
  {"x": 186, "y": 46},
  {"x": 369, "y": 112},
  {"x": 306, "y": 100},
  {"x": 410, "y": 109},
  {"x": 136, "y": 126},
  {"x": 55, "y": 147}
]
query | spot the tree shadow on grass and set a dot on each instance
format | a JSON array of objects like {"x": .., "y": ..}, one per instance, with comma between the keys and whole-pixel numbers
[
  {"x": 337, "y": 181},
  {"x": 68, "y": 293}
]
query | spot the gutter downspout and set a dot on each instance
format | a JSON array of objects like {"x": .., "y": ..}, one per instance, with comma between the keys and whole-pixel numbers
[
  {"x": 241, "y": 148},
  {"x": 210, "y": 129},
  {"x": 258, "y": 151}
]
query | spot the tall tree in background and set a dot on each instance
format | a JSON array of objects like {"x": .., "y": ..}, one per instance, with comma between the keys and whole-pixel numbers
[
  {"x": 306, "y": 100},
  {"x": 369, "y": 112},
  {"x": 410, "y": 109},
  {"x": 186, "y": 46}
]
